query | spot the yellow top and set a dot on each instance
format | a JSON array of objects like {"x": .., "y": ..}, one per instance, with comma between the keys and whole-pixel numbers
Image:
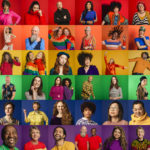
[
  {"x": 66, "y": 146},
  {"x": 37, "y": 118},
  {"x": 143, "y": 120}
]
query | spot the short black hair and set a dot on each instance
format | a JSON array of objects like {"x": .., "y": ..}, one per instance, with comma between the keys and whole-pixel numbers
[
  {"x": 82, "y": 56},
  {"x": 5, "y": 2},
  {"x": 66, "y": 79},
  {"x": 39, "y": 106},
  {"x": 64, "y": 131},
  {"x": 9, "y": 103},
  {"x": 146, "y": 53},
  {"x": 89, "y": 105},
  {"x": 138, "y": 102},
  {"x": 114, "y": 4}
]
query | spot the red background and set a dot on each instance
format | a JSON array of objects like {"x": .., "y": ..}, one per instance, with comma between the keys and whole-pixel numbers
[
  {"x": 26, "y": 4},
  {"x": 133, "y": 8},
  {"x": 80, "y": 6},
  {"x": 67, "y": 4}
]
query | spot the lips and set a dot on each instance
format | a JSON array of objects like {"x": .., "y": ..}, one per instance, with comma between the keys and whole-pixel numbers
[{"x": 11, "y": 140}]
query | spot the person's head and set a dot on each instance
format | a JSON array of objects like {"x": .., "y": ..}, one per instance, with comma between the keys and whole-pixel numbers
[
  {"x": 7, "y": 80},
  {"x": 140, "y": 132},
  {"x": 35, "y": 7},
  {"x": 9, "y": 136},
  {"x": 29, "y": 57},
  {"x": 62, "y": 58},
  {"x": 111, "y": 61},
  {"x": 115, "y": 7},
  {"x": 143, "y": 81},
  {"x": 83, "y": 131},
  {"x": 114, "y": 82},
  {"x": 34, "y": 33},
  {"x": 138, "y": 109},
  {"x": 34, "y": 133},
  {"x": 66, "y": 31},
  {"x": 9, "y": 30},
  {"x": 36, "y": 106},
  {"x": 66, "y": 82},
  {"x": 59, "y": 133},
  {"x": 88, "y": 109},
  {"x": 118, "y": 133},
  {"x": 6, "y": 5},
  {"x": 90, "y": 78},
  {"x": 6, "y": 57},
  {"x": 115, "y": 109},
  {"x": 88, "y": 31},
  {"x": 145, "y": 55},
  {"x": 89, "y": 6},
  {"x": 141, "y": 7},
  {"x": 9, "y": 108},
  {"x": 59, "y": 5},
  {"x": 142, "y": 31},
  {"x": 93, "y": 131},
  {"x": 58, "y": 81},
  {"x": 85, "y": 58},
  {"x": 41, "y": 55},
  {"x": 58, "y": 32}
]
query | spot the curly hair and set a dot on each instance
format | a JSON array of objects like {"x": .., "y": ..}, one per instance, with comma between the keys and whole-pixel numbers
[
  {"x": 89, "y": 105},
  {"x": 66, "y": 79},
  {"x": 114, "y": 4},
  {"x": 66, "y": 115},
  {"x": 82, "y": 56},
  {"x": 117, "y": 29},
  {"x": 32, "y": 4},
  {"x": 10, "y": 61},
  {"x": 37, "y": 103},
  {"x": 112, "y": 85},
  {"x": 122, "y": 139}
]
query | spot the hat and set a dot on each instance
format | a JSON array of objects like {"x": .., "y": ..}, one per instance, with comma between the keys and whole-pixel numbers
[
  {"x": 88, "y": 28},
  {"x": 142, "y": 28},
  {"x": 63, "y": 53}
]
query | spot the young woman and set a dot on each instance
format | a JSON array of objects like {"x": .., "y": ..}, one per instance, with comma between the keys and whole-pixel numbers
[
  {"x": 34, "y": 144},
  {"x": 88, "y": 15},
  {"x": 34, "y": 16},
  {"x": 115, "y": 91},
  {"x": 8, "y": 36},
  {"x": 8, "y": 119},
  {"x": 61, "y": 114},
  {"x": 35, "y": 91},
  {"x": 84, "y": 60},
  {"x": 61, "y": 66},
  {"x": 114, "y": 17},
  {"x": 115, "y": 114},
  {"x": 117, "y": 141},
  {"x": 141, "y": 17},
  {"x": 7, "y": 63},
  {"x": 30, "y": 67},
  {"x": 57, "y": 90},
  {"x": 142, "y": 93},
  {"x": 88, "y": 41},
  {"x": 35, "y": 117},
  {"x": 68, "y": 90},
  {"x": 7, "y": 15}
]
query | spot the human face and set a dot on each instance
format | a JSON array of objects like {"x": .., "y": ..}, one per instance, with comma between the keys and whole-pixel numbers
[
  {"x": 6, "y": 57},
  {"x": 141, "y": 7},
  {"x": 8, "y": 110},
  {"x": 37, "y": 82},
  {"x": 6, "y": 7},
  {"x": 141, "y": 33},
  {"x": 31, "y": 56},
  {"x": 115, "y": 36},
  {"x": 66, "y": 32},
  {"x": 116, "y": 10},
  {"x": 88, "y": 6},
  {"x": 144, "y": 82},
  {"x": 88, "y": 32},
  {"x": 60, "y": 107},
  {"x": 114, "y": 81},
  {"x": 39, "y": 55},
  {"x": 140, "y": 133},
  {"x": 144, "y": 56},
  {"x": 35, "y": 8},
  {"x": 83, "y": 131},
  {"x": 7, "y": 79},
  {"x": 35, "y": 31},
  {"x": 35, "y": 107},
  {"x": 10, "y": 137},
  {"x": 59, "y": 5},
  {"x": 90, "y": 78},
  {"x": 59, "y": 32},
  {"x": 58, "y": 81},
  {"x": 87, "y": 61},
  {"x": 35, "y": 134},
  {"x": 87, "y": 113},
  {"x": 111, "y": 60},
  {"x": 93, "y": 132},
  {"x": 59, "y": 134},
  {"x": 114, "y": 110},
  {"x": 117, "y": 134},
  {"x": 67, "y": 83},
  {"x": 62, "y": 60},
  {"x": 138, "y": 110}
]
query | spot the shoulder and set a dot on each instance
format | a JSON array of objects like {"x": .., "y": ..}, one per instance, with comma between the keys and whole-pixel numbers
[
  {"x": 42, "y": 144},
  {"x": 106, "y": 123},
  {"x": 124, "y": 122},
  {"x": 27, "y": 144},
  {"x": 93, "y": 67},
  {"x": 79, "y": 121}
]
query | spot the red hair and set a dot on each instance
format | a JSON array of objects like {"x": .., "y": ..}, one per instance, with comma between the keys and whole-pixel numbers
[{"x": 140, "y": 2}]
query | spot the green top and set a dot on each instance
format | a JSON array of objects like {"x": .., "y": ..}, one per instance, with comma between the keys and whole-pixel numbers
[{"x": 4, "y": 147}]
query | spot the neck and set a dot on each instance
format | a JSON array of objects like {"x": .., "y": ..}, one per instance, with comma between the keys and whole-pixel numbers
[
  {"x": 86, "y": 67},
  {"x": 60, "y": 142},
  {"x": 116, "y": 13},
  {"x": 7, "y": 83},
  {"x": 114, "y": 119},
  {"x": 142, "y": 12},
  {"x": 88, "y": 118},
  {"x": 59, "y": 114},
  {"x": 8, "y": 117},
  {"x": 34, "y": 142}
]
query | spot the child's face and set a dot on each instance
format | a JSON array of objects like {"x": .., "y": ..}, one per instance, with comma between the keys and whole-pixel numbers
[
  {"x": 39, "y": 55},
  {"x": 7, "y": 57}
]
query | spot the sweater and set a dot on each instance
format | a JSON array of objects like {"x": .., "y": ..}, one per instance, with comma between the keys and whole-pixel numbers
[{"x": 40, "y": 66}]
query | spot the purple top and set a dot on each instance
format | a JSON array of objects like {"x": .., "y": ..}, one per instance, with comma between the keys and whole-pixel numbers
[
  {"x": 67, "y": 93},
  {"x": 115, "y": 145},
  {"x": 57, "y": 92},
  {"x": 7, "y": 19},
  {"x": 55, "y": 121},
  {"x": 92, "y": 71}
]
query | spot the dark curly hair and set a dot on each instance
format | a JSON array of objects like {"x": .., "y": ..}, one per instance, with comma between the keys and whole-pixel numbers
[
  {"x": 66, "y": 79},
  {"x": 82, "y": 56},
  {"x": 89, "y": 105},
  {"x": 114, "y": 4},
  {"x": 117, "y": 29},
  {"x": 32, "y": 4}
]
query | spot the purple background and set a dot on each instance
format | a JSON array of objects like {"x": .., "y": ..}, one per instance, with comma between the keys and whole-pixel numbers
[{"x": 18, "y": 145}]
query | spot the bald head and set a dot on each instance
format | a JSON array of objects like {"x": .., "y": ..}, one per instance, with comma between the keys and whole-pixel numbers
[
  {"x": 59, "y": 5},
  {"x": 7, "y": 79},
  {"x": 35, "y": 30},
  {"x": 83, "y": 129}
]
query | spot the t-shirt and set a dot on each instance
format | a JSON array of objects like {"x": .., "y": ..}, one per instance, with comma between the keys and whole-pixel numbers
[
  {"x": 4, "y": 147},
  {"x": 39, "y": 146},
  {"x": 142, "y": 42},
  {"x": 66, "y": 146},
  {"x": 94, "y": 142},
  {"x": 82, "y": 142}
]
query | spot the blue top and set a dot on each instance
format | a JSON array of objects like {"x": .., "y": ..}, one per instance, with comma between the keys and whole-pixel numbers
[
  {"x": 90, "y": 16},
  {"x": 116, "y": 20},
  {"x": 141, "y": 42}
]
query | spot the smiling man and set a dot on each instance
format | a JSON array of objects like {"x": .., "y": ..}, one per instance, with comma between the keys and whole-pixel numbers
[
  {"x": 60, "y": 143},
  {"x": 9, "y": 136}
]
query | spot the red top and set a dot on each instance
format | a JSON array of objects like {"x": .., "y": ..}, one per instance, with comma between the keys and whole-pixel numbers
[
  {"x": 82, "y": 142},
  {"x": 94, "y": 142},
  {"x": 33, "y": 18},
  {"x": 6, "y": 67},
  {"x": 40, "y": 64},
  {"x": 30, "y": 146}
]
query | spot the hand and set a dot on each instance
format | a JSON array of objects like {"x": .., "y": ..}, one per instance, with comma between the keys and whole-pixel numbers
[
  {"x": 124, "y": 38},
  {"x": 25, "y": 111},
  {"x": 72, "y": 88},
  {"x": 38, "y": 39},
  {"x": 89, "y": 22},
  {"x": 93, "y": 97},
  {"x": 83, "y": 22},
  {"x": 40, "y": 12},
  {"x": 125, "y": 67},
  {"x": 55, "y": 29},
  {"x": 32, "y": 88},
  {"x": 58, "y": 96},
  {"x": 105, "y": 53},
  {"x": 17, "y": 59},
  {"x": 65, "y": 17}
]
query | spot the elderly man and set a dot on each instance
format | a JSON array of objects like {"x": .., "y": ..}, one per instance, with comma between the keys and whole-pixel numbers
[
  {"x": 61, "y": 16},
  {"x": 35, "y": 42},
  {"x": 9, "y": 136}
]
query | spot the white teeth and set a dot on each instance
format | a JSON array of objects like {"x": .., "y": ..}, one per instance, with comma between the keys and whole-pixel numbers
[{"x": 11, "y": 140}]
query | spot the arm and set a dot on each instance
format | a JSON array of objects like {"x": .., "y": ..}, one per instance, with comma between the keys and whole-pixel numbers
[
  {"x": 26, "y": 118},
  {"x": 133, "y": 60},
  {"x": 13, "y": 95},
  {"x": 30, "y": 46},
  {"x": 139, "y": 46},
  {"x": 17, "y": 63},
  {"x": 146, "y": 40},
  {"x": 93, "y": 43},
  {"x": 82, "y": 19},
  {"x": 119, "y": 66},
  {"x": 42, "y": 46},
  {"x": 95, "y": 18},
  {"x": 76, "y": 145},
  {"x": 92, "y": 92},
  {"x": 68, "y": 15},
  {"x": 18, "y": 18},
  {"x": 45, "y": 118},
  {"x": 88, "y": 147}
]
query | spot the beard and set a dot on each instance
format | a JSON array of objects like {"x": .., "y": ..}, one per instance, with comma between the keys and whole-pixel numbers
[
  {"x": 33, "y": 38},
  {"x": 83, "y": 134}
]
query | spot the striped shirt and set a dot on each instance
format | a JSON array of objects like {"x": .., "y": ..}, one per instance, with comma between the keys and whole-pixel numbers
[{"x": 84, "y": 121}]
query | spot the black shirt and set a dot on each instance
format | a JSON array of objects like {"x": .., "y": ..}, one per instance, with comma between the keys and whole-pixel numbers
[{"x": 59, "y": 17}]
